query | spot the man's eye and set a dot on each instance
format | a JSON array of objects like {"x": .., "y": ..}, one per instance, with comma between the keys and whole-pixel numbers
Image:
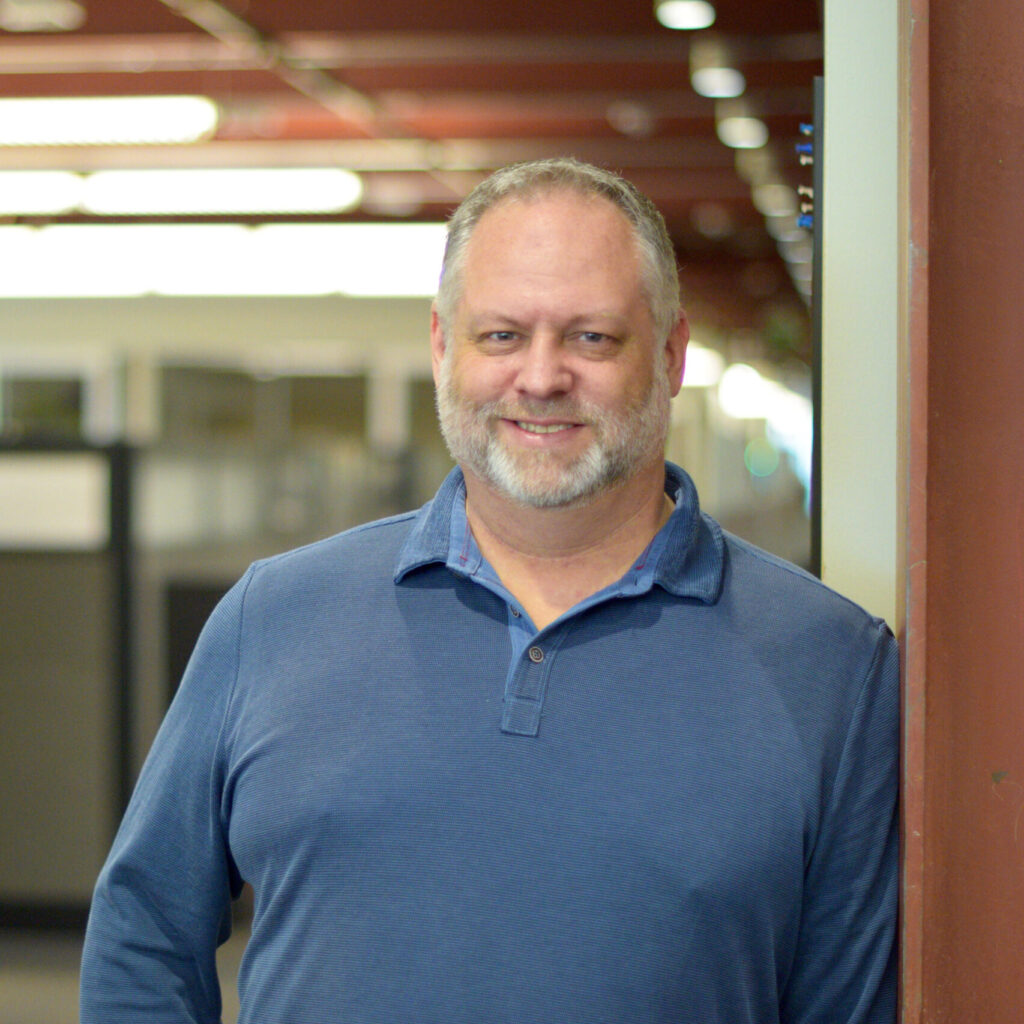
[
  {"x": 595, "y": 344},
  {"x": 500, "y": 336}
]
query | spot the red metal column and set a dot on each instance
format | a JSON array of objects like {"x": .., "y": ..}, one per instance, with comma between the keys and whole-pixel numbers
[{"x": 964, "y": 644}]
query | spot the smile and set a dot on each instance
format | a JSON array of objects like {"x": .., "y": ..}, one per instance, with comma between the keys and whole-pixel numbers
[{"x": 543, "y": 428}]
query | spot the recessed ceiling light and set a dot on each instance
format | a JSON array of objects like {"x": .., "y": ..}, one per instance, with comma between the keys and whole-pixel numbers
[
  {"x": 712, "y": 71},
  {"x": 684, "y": 14},
  {"x": 718, "y": 83},
  {"x": 742, "y": 132}
]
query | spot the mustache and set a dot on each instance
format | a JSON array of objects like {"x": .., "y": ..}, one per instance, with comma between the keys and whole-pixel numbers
[{"x": 558, "y": 409}]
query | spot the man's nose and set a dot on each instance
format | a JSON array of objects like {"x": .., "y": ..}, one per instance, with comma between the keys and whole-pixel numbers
[{"x": 544, "y": 370}]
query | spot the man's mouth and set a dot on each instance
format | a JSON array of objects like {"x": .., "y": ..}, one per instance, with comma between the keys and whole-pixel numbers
[{"x": 542, "y": 428}]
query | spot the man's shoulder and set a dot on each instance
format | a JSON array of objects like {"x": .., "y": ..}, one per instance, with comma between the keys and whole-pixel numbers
[
  {"x": 817, "y": 645},
  {"x": 365, "y": 551},
  {"x": 779, "y": 588}
]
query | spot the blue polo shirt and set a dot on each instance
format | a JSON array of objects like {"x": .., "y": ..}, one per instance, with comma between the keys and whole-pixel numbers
[
  {"x": 522, "y": 709},
  {"x": 674, "y": 803}
]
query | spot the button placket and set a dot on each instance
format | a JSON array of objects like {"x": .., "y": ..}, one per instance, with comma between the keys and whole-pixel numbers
[{"x": 524, "y": 699}]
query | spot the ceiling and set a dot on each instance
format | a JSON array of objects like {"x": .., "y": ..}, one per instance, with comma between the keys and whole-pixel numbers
[{"x": 425, "y": 97}]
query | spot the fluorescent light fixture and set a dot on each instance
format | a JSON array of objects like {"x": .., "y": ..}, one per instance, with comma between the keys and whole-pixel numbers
[
  {"x": 41, "y": 15},
  {"x": 106, "y": 120},
  {"x": 742, "y": 132},
  {"x": 182, "y": 191},
  {"x": 118, "y": 260},
  {"x": 389, "y": 259},
  {"x": 222, "y": 190},
  {"x": 684, "y": 14},
  {"x": 39, "y": 192},
  {"x": 718, "y": 83}
]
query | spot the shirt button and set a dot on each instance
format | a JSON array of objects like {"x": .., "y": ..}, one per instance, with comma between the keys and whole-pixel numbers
[
  {"x": 536, "y": 655},
  {"x": 515, "y": 612}
]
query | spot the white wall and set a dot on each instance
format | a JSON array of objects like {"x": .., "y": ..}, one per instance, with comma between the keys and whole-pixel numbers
[{"x": 861, "y": 517}]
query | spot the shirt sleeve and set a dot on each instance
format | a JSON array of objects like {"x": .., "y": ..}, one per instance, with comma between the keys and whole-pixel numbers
[
  {"x": 845, "y": 966},
  {"x": 161, "y": 905}
]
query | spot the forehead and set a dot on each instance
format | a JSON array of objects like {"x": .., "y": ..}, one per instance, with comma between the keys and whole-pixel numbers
[
  {"x": 559, "y": 236},
  {"x": 548, "y": 211}
]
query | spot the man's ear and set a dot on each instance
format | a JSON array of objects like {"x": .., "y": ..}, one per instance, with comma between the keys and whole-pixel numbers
[
  {"x": 437, "y": 341},
  {"x": 675, "y": 353}
]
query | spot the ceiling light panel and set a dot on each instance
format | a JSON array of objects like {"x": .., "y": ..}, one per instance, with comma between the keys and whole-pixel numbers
[
  {"x": 106, "y": 120},
  {"x": 37, "y": 193},
  {"x": 41, "y": 15},
  {"x": 222, "y": 191},
  {"x": 86, "y": 260}
]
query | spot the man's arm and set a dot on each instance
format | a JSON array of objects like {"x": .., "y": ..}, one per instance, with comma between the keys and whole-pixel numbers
[
  {"x": 845, "y": 966},
  {"x": 161, "y": 903}
]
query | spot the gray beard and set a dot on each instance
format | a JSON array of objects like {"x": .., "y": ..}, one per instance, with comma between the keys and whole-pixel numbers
[{"x": 624, "y": 443}]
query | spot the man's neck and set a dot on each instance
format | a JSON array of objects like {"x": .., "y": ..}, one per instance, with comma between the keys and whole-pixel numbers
[{"x": 551, "y": 559}]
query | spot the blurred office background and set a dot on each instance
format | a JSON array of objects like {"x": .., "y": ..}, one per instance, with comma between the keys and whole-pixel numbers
[{"x": 195, "y": 372}]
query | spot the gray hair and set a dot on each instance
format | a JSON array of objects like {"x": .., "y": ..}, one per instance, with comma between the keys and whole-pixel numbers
[{"x": 541, "y": 177}]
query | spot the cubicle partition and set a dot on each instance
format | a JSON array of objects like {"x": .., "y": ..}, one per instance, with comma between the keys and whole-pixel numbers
[{"x": 65, "y": 663}]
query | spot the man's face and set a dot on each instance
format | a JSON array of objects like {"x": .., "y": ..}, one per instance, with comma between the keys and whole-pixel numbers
[{"x": 552, "y": 386}]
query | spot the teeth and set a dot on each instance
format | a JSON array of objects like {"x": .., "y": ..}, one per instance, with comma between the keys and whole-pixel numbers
[{"x": 542, "y": 428}]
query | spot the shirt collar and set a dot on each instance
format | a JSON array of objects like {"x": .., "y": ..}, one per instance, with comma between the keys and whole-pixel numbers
[{"x": 690, "y": 562}]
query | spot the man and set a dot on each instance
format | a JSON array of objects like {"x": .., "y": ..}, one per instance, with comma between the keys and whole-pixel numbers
[{"x": 553, "y": 748}]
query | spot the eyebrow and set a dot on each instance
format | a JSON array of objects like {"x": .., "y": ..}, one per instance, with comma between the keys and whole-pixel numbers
[
  {"x": 581, "y": 320},
  {"x": 489, "y": 318}
]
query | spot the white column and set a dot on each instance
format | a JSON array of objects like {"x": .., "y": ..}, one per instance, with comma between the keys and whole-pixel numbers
[{"x": 861, "y": 496}]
